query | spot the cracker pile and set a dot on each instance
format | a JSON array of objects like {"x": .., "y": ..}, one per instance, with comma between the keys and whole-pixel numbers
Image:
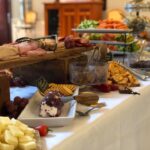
[
  {"x": 119, "y": 75},
  {"x": 64, "y": 89}
]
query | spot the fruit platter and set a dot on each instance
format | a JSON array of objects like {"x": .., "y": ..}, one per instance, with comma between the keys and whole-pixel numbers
[
  {"x": 115, "y": 34},
  {"x": 16, "y": 135}
]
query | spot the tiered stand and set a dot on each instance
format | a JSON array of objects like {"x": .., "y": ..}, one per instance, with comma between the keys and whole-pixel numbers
[{"x": 113, "y": 31}]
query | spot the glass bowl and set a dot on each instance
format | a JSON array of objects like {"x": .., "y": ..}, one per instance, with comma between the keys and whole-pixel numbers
[{"x": 82, "y": 73}]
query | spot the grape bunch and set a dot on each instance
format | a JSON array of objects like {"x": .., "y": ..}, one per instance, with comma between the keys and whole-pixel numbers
[
  {"x": 106, "y": 88},
  {"x": 14, "y": 108},
  {"x": 17, "y": 82}
]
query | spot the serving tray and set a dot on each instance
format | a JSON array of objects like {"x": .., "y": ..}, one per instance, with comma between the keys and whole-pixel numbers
[{"x": 30, "y": 115}]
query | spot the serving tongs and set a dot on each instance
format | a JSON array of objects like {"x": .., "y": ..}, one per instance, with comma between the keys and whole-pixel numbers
[
  {"x": 137, "y": 74},
  {"x": 41, "y": 42}
]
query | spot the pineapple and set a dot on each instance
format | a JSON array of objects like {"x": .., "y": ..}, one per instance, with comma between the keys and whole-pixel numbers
[
  {"x": 10, "y": 139},
  {"x": 4, "y": 146},
  {"x": 15, "y": 135}
]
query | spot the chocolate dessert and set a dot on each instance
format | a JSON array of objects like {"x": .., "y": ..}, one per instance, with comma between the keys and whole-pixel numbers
[{"x": 51, "y": 105}]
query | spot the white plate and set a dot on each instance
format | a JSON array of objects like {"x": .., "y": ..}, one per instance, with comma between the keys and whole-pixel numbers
[{"x": 30, "y": 115}]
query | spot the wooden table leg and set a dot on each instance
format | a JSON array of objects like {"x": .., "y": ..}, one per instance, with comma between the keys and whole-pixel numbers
[{"x": 4, "y": 90}]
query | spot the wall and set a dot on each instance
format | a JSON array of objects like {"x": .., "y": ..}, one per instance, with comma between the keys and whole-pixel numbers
[
  {"x": 113, "y": 4},
  {"x": 39, "y": 8}
]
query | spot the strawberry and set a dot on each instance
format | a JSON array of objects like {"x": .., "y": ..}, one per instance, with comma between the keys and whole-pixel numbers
[
  {"x": 103, "y": 87},
  {"x": 114, "y": 87},
  {"x": 43, "y": 130}
]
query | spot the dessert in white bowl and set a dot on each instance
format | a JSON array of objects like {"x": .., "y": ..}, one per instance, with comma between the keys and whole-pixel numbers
[{"x": 51, "y": 105}]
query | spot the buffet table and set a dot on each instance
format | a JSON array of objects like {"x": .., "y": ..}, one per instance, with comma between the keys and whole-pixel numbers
[{"x": 124, "y": 124}]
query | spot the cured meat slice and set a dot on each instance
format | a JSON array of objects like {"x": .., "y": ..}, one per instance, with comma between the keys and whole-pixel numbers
[
  {"x": 24, "y": 47},
  {"x": 37, "y": 52}
]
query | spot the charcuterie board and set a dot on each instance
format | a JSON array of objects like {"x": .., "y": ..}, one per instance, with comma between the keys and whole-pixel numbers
[{"x": 22, "y": 61}]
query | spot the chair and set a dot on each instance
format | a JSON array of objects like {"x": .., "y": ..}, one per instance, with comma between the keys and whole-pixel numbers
[{"x": 115, "y": 14}]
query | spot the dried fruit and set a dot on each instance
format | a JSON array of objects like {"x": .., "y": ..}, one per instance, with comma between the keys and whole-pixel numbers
[
  {"x": 103, "y": 87},
  {"x": 114, "y": 87}
]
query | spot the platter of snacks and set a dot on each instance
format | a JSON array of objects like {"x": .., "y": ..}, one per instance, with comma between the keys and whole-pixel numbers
[
  {"x": 121, "y": 76},
  {"x": 49, "y": 109},
  {"x": 64, "y": 89}
]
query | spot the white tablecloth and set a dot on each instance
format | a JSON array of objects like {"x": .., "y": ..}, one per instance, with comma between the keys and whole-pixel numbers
[{"x": 124, "y": 124}]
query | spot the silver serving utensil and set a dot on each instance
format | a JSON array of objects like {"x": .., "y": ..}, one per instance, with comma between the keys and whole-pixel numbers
[
  {"x": 137, "y": 74},
  {"x": 99, "y": 105}
]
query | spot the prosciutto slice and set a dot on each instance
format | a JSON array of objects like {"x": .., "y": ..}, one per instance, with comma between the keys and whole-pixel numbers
[
  {"x": 24, "y": 47},
  {"x": 30, "y": 49},
  {"x": 37, "y": 52}
]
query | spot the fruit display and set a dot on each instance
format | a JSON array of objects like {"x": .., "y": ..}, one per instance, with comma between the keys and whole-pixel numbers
[
  {"x": 111, "y": 24},
  {"x": 86, "y": 24},
  {"x": 116, "y": 41},
  {"x": 63, "y": 89},
  {"x": 14, "y": 135},
  {"x": 102, "y": 24},
  {"x": 51, "y": 105},
  {"x": 133, "y": 47},
  {"x": 120, "y": 76}
]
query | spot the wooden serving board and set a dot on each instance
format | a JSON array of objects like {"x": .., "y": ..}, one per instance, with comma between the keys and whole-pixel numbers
[
  {"x": 22, "y": 61},
  {"x": 4, "y": 91}
]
